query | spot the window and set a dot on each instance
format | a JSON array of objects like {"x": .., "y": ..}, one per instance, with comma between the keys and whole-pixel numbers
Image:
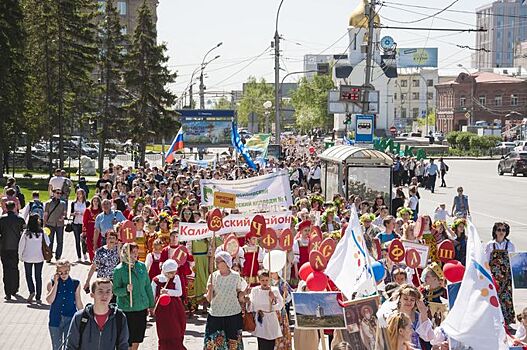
[
  {"x": 429, "y": 95},
  {"x": 498, "y": 100},
  {"x": 404, "y": 83},
  {"x": 404, "y": 96},
  {"x": 415, "y": 96},
  {"x": 482, "y": 100},
  {"x": 429, "y": 82},
  {"x": 462, "y": 101},
  {"x": 394, "y": 112},
  {"x": 415, "y": 113},
  {"x": 121, "y": 8},
  {"x": 395, "y": 96},
  {"x": 514, "y": 100},
  {"x": 403, "y": 112},
  {"x": 415, "y": 83}
]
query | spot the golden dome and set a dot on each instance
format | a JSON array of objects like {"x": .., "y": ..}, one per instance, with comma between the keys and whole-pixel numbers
[{"x": 358, "y": 18}]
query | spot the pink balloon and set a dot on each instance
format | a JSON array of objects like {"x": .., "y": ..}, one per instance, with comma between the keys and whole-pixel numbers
[
  {"x": 316, "y": 281},
  {"x": 164, "y": 300},
  {"x": 304, "y": 271}
]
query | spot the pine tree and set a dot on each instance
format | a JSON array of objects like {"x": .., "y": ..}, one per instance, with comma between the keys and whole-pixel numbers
[
  {"x": 12, "y": 74},
  {"x": 146, "y": 77},
  {"x": 111, "y": 65}
]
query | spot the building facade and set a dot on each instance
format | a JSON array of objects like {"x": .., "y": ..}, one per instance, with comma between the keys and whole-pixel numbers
[
  {"x": 479, "y": 96},
  {"x": 321, "y": 63},
  {"x": 506, "y": 24},
  {"x": 128, "y": 10}
]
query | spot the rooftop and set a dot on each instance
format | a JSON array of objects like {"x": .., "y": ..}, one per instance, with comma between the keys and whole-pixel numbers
[{"x": 484, "y": 78}]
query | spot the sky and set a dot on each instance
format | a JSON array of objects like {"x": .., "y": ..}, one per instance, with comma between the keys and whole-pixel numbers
[
  {"x": 246, "y": 29},
  {"x": 306, "y": 303}
]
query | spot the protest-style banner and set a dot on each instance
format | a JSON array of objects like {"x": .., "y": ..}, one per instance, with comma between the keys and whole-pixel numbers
[
  {"x": 256, "y": 194},
  {"x": 234, "y": 223}
]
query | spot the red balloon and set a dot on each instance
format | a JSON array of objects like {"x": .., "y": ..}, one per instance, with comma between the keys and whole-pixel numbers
[
  {"x": 316, "y": 281},
  {"x": 164, "y": 300},
  {"x": 453, "y": 272},
  {"x": 304, "y": 271}
]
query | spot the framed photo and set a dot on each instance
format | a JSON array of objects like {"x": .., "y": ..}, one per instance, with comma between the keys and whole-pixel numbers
[
  {"x": 518, "y": 263},
  {"x": 422, "y": 249},
  {"x": 363, "y": 331},
  {"x": 438, "y": 312},
  {"x": 315, "y": 310}
]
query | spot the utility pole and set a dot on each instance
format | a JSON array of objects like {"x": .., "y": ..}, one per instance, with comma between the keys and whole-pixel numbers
[
  {"x": 191, "y": 102},
  {"x": 277, "y": 85},
  {"x": 201, "y": 89},
  {"x": 370, "y": 10}
]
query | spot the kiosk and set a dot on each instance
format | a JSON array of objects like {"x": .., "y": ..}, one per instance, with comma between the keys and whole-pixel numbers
[{"x": 350, "y": 170}]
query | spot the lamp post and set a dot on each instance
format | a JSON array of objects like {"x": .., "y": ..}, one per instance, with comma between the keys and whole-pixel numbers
[
  {"x": 202, "y": 84},
  {"x": 277, "y": 79},
  {"x": 426, "y": 100},
  {"x": 278, "y": 119},
  {"x": 267, "y": 105},
  {"x": 471, "y": 119},
  {"x": 201, "y": 76}
]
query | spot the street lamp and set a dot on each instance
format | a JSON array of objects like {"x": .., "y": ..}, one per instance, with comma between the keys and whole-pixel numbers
[
  {"x": 470, "y": 120},
  {"x": 277, "y": 79},
  {"x": 267, "y": 105},
  {"x": 201, "y": 84}
]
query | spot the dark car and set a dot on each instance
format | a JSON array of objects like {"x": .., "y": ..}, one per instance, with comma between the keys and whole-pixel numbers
[{"x": 514, "y": 163}]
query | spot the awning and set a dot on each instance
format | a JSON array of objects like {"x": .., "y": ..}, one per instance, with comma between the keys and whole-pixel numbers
[{"x": 350, "y": 155}]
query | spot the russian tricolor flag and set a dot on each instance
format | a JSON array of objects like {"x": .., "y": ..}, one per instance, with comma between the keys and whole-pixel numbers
[{"x": 176, "y": 145}]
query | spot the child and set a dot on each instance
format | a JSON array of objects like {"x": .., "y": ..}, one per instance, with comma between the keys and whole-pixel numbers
[
  {"x": 253, "y": 258},
  {"x": 153, "y": 259},
  {"x": 170, "y": 319},
  {"x": 141, "y": 237},
  {"x": 285, "y": 342},
  {"x": 432, "y": 278},
  {"x": 521, "y": 334},
  {"x": 441, "y": 213},
  {"x": 264, "y": 302},
  {"x": 101, "y": 325}
]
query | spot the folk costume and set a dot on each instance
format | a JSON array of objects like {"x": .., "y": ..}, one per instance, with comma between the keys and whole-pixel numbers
[{"x": 253, "y": 258}]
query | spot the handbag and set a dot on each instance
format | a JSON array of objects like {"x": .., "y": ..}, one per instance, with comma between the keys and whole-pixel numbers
[
  {"x": 249, "y": 324},
  {"x": 68, "y": 227},
  {"x": 47, "y": 253}
]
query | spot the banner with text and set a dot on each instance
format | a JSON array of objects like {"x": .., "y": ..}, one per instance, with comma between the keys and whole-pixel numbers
[
  {"x": 255, "y": 194},
  {"x": 234, "y": 223}
]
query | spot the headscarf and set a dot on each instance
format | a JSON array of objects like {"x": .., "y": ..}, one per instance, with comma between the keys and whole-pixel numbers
[
  {"x": 169, "y": 265},
  {"x": 226, "y": 257}
]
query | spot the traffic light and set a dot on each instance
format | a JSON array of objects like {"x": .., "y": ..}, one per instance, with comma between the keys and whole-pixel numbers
[{"x": 348, "y": 119}]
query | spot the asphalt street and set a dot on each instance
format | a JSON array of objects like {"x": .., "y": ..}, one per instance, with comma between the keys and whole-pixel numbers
[{"x": 491, "y": 197}]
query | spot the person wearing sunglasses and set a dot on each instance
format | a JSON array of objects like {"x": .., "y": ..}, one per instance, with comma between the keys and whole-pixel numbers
[
  {"x": 55, "y": 211},
  {"x": 497, "y": 251}
]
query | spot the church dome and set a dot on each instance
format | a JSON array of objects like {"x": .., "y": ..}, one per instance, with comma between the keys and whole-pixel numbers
[{"x": 358, "y": 18}]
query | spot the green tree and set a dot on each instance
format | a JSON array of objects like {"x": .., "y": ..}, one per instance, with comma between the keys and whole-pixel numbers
[
  {"x": 223, "y": 103},
  {"x": 12, "y": 74},
  {"x": 255, "y": 94},
  {"x": 421, "y": 122},
  {"x": 310, "y": 102},
  {"x": 146, "y": 77},
  {"x": 111, "y": 68}
]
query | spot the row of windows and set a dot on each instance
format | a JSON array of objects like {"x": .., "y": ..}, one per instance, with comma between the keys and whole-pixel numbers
[
  {"x": 121, "y": 7},
  {"x": 416, "y": 82},
  {"x": 498, "y": 100},
  {"x": 416, "y": 113},
  {"x": 415, "y": 96}
]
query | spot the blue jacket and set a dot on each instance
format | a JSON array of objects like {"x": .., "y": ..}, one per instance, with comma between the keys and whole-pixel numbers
[{"x": 92, "y": 337}]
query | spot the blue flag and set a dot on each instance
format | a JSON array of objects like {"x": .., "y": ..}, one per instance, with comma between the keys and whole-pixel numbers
[{"x": 240, "y": 147}]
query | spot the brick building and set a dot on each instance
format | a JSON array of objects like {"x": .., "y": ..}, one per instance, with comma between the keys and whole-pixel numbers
[{"x": 482, "y": 95}]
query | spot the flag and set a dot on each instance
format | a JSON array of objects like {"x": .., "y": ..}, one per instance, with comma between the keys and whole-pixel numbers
[
  {"x": 176, "y": 145},
  {"x": 352, "y": 254},
  {"x": 477, "y": 321},
  {"x": 237, "y": 143}
]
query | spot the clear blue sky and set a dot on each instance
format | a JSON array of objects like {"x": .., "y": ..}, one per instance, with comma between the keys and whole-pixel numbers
[{"x": 246, "y": 28}]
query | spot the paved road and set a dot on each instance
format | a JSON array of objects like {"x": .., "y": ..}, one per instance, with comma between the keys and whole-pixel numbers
[{"x": 492, "y": 198}]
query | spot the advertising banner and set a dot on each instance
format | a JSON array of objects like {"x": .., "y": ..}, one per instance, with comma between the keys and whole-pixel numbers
[
  {"x": 417, "y": 57},
  {"x": 256, "y": 194},
  {"x": 234, "y": 223},
  {"x": 206, "y": 128}
]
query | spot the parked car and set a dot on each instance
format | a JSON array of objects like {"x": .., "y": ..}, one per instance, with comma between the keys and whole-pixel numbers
[
  {"x": 521, "y": 146},
  {"x": 514, "y": 163},
  {"x": 504, "y": 147}
]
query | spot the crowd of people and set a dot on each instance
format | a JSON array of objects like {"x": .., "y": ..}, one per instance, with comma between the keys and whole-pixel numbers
[{"x": 138, "y": 280}]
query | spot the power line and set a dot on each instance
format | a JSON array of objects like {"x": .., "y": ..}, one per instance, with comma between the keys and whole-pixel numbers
[
  {"x": 434, "y": 29},
  {"x": 247, "y": 65},
  {"x": 432, "y": 15},
  {"x": 417, "y": 13}
]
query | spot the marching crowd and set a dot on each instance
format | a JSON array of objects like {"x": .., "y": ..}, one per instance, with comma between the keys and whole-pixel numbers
[{"x": 141, "y": 279}]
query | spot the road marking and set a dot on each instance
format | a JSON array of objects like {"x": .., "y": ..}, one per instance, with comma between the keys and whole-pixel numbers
[{"x": 499, "y": 218}]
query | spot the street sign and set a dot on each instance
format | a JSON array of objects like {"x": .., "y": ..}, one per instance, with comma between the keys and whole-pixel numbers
[
  {"x": 467, "y": 115},
  {"x": 364, "y": 126}
]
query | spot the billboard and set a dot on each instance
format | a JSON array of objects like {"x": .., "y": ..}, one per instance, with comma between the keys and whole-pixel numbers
[
  {"x": 364, "y": 128},
  {"x": 417, "y": 57},
  {"x": 209, "y": 128}
]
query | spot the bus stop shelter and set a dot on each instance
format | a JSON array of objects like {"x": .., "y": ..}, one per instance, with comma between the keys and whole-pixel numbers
[{"x": 350, "y": 170}]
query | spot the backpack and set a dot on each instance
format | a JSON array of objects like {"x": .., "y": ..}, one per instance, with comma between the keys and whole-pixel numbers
[
  {"x": 36, "y": 207},
  {"x": 21, "y": 197},
  {"x": 85, "y": 317}
]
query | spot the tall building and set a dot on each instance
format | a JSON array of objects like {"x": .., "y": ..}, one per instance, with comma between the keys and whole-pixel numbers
[
  {"x": 128, "y": 9},
  {"x": 506, "y": 24}
]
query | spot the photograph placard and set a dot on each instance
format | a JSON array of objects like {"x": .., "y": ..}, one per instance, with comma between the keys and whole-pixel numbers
[
  {"x": 518, "y": 263},
  {"x": 318, "y": 310}
]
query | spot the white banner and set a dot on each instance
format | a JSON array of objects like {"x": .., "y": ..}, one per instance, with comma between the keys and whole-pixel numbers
[
  {"x": 234, "y": 223},
  {"x": 263, "y": 193}
]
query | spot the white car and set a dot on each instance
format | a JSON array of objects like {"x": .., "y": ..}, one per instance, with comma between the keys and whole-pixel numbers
[{"x": 521, "y": 146}]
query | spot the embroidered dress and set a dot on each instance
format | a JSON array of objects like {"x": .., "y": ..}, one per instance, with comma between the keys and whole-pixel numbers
[
  {"x": 266, "y": 314},
  {"x": 501, "y": 270},
  {"x": 252, "y": 263},
  {"x": 200, "y": 249},
  {"x": 140, "y": 240}
]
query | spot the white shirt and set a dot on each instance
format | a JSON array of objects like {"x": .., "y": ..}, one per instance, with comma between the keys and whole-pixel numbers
[
  {"x": 149, "y": 260},
  {"x": 56, "y": 182},
  {"x": 177, "y": 292},
  {"x": 30, "y": 249},
  {"x": 440, "y": 214},
  {"x": 412, "y": 203},
  {"x": 489, "y": 248},
  {"x": 78, "y": 212},
  {"x": 269, "y": 328},
  {"x": 520, "y": 333},
  {"x": 296, "y": 248},
  {"x": 316, "y": 172}
]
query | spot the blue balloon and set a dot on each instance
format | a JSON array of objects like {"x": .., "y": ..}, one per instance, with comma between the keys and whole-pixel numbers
[{"x": 378, "y": 271}]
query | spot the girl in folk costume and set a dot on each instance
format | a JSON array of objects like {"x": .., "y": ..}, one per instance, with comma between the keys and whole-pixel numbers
[
  {"x": 497, "y": 251},
  {"x": 328, "y": 221},
  {"x": 285, "y": 342},
  {"x": 433, "y": 290},
  {"x": 165, "y": 221},
  {"x": 153, "y": 259},
  {"x": 183, "y": 270},
  {"x": 141, "y": 237},
  {"x": 301, "y": 248},
  {"x": 88, "y": 225},
  {"x": 253, "y": 258},
  {"x": 170, "y": 319}
]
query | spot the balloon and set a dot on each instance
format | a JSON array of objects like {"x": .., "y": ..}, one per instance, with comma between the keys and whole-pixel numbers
[
  {"x": 47, "y": 231},
  {"x": 304, "y": 271},
  {"x": 164, "y": 300},
  {"x": 378, "y": 271},
  {"x": 278, "y": 260},
  {"x": 453, "y": 272},
  {"x": 316, "y": 281}
]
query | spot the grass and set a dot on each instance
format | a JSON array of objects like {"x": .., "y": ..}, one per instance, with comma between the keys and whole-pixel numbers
[
  {"x": 156, "y": 148},
  {"x": 27, "y": 186}
]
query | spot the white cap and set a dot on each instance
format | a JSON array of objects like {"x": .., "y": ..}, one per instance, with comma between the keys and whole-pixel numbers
[{"x": 169, "y": 266}]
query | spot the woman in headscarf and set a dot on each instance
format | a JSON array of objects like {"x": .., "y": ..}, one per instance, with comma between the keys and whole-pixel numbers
[{"x": 224, "y": 322}]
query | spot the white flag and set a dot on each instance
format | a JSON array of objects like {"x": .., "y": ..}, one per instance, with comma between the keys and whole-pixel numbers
[
  {"x": 476, "y": 319},
  {"x": 349, "y": 267}
]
